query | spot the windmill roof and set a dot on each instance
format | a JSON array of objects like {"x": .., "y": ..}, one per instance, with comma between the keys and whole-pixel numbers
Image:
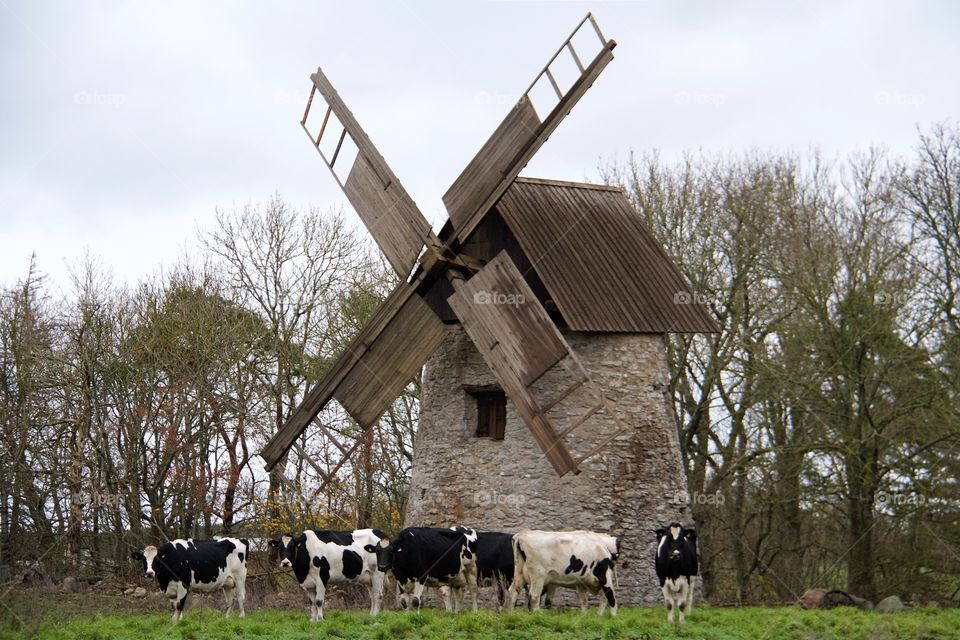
[{"x": 603, "y": 268}]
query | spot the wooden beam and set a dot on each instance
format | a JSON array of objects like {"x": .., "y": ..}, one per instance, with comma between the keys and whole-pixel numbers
[
  {"x": 583, "y": 418},
  {"x": 323, "y": 391},
  {"x": 563, "y": 395}
]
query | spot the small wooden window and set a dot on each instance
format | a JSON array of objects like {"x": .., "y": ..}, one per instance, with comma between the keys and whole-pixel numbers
[{"x": 491, "y": 414}]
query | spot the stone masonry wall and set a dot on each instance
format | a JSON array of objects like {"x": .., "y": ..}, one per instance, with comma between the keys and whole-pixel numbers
[{"x": 628, "y": 489}]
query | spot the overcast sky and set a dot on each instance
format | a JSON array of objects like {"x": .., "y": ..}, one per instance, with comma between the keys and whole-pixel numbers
[{"x": 124, "y": 125}]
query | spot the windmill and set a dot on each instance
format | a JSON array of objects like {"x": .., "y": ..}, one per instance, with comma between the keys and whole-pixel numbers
[{"x": 466, "y": 276}]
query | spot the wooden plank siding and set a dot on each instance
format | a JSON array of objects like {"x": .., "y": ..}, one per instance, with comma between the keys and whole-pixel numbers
[
  {"x": 604, "y": 270},
  {"x": 517, "y": 341}
]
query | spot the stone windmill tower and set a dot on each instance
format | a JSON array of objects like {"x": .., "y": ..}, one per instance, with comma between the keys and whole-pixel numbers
[{"x": 539, "y": 312}]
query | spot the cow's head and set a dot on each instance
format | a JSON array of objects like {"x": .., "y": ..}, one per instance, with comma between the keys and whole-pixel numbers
[
  {"x": 287, "y": 548},
  {"x": 671, "y": 541},
  {"x": 148, "y": 557},
  {"x": 386, "y": 553}
]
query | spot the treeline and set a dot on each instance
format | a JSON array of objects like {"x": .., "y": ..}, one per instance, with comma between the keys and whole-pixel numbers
[
  {"x": 134, "y": 414},
  {"x": 820, "y": 429}
]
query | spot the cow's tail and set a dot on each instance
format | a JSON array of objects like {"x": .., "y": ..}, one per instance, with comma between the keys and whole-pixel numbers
[{"x": 519, "y": 560}]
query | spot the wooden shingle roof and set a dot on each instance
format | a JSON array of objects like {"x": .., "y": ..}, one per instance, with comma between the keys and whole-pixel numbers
[{"x": 604, "y": 270}]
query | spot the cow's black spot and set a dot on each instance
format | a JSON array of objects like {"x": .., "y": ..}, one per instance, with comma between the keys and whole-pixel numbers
[
  {"x": 343, "y": 538},
  {"x": 324, "y": 567},
  {"x": 576, "y": 564},
  {"x": 352, "y": 564}
]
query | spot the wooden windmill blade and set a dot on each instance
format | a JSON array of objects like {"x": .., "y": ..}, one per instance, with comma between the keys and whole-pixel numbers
[
  {"x": 387, "y": 210},
  {"x": 373, "y": 370},
  {"x": 518, "y": 341},
  {"x": 520, "y": 135}
]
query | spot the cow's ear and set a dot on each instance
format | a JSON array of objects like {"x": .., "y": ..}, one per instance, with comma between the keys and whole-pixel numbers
[
  {"x": 660, "y": 533},
  {"x": 690, "y": 534}
]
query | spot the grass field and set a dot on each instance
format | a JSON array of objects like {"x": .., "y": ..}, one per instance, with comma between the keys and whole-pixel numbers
[{"x": 53, "y": 618}]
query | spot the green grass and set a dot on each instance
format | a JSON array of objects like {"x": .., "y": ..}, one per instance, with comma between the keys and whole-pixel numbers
[{"x": 632, "y": 623}]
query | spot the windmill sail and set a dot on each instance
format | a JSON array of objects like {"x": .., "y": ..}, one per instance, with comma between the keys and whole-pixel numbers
[
  {"x": 518, "y": 341},
  {"x": 387, "y": 210},
  {"x": 373, "y": 370},
  {"x": 519, "y": 136}
]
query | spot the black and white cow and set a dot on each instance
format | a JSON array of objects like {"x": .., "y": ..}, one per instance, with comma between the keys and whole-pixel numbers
[
  {"x": 426, "y": 556},
  {"x": 182, "y": 566},
  {"x": 676, "y": 567},
  {"x": 495, "y": 561},
  {"x": 320, "y": 558},
  {"x": 582, "y": 560},
  {"x": 611, "y": 542}
]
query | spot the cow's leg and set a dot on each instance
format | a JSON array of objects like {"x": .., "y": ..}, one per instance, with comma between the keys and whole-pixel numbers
[
  {"x": 608, "y": 593},
  {"x": 321, "y": 592},
  {"x": 228, "y": 593},
  {"x": 548, "y": 596},
  {"x": 418, "y": 596},
  {"x": 180, "y": 602},
  {"x": 376, "y": 592},
  {"x": 241, "y": 594},
  {"x": 473, "y": 584},
  {"x": 312, "y": 598},
  {"x": 681, "y": 598},
  {"x": 582, "y": 597},
  {"x": 516, "y": 586},
  {"x": 536, "y": 588},
  {"x": 668, "y": 599}
]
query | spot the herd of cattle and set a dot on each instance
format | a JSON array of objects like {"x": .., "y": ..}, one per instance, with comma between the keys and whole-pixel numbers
[{"x": 455, "y": 560}]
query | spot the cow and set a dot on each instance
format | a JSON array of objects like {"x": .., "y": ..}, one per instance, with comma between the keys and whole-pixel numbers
[
  {"x": 182, "y": 566},
  {"x": 424, "y": 556},
  {"x": 320, "y": 558},
  {"x": 583, "y": 560},
  {"x": 676, "y": 567},
  {"x": 495, "y": 561},
  {"x": 612, "y": 544}
]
